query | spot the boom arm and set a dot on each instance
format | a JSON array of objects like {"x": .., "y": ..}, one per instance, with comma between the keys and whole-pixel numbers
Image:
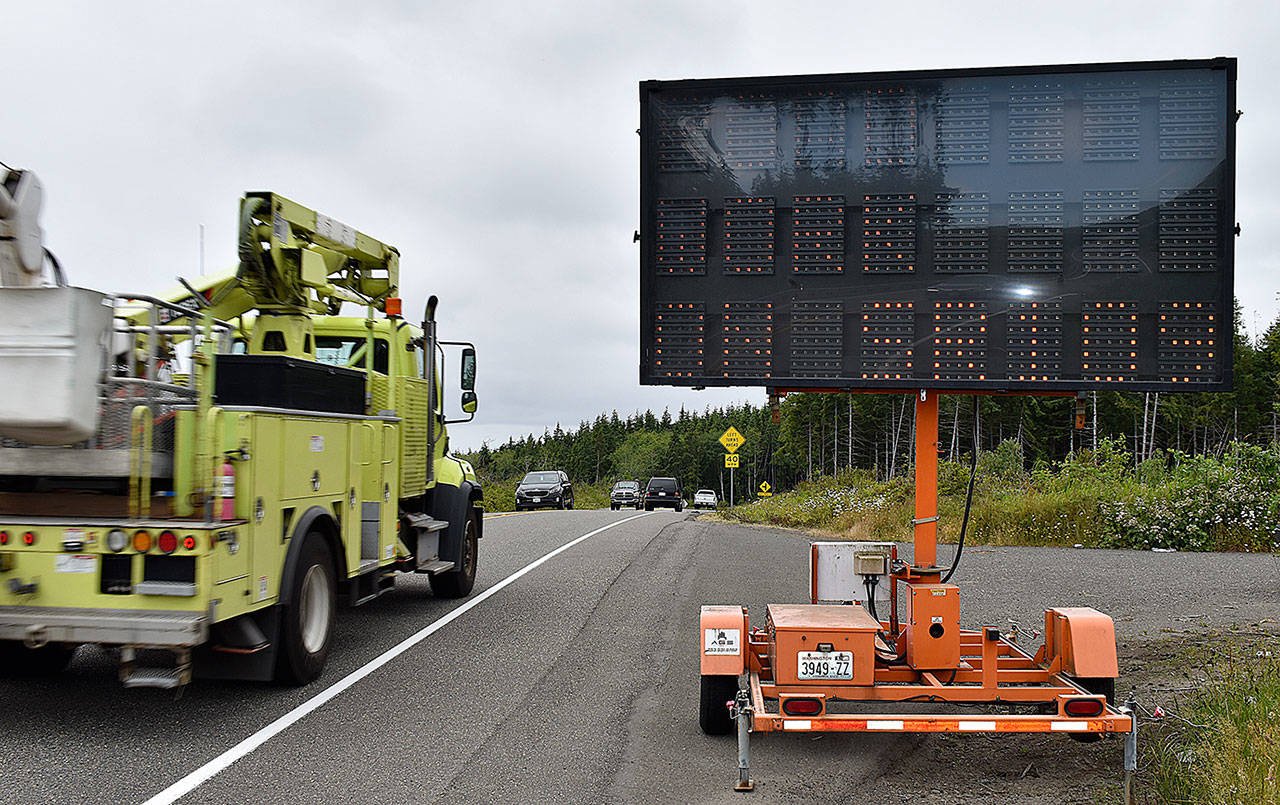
[{"x": 294, "y": 260}]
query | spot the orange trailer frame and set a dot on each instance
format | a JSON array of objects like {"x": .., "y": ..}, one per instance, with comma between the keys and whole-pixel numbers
[{"x": 1079, "y": 648}]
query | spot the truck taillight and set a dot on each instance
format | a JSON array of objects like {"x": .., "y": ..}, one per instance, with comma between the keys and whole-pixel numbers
[
  {"x": 189, "y": 542},
  {"x": 142, "y": 541},
  {"x": 4, "y": 537},
  {"x": 29, "y": 538},
  {"x": 117, "y": 540},
  {"x": 168, "y": 542}
]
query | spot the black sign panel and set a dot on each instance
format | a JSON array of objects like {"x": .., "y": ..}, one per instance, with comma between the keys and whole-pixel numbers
[{"x": 1044, "y": 228}]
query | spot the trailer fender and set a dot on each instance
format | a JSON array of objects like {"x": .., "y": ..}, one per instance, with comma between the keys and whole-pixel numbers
[
  {"x": 1083, "y": 639},
  {"x": 722, "y": 640},
  {"x": 453, "y": 503},
  {"x": 313, "y": 519}
]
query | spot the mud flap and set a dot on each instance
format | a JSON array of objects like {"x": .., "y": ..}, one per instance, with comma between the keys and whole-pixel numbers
[{"x": 452, "y": 503}]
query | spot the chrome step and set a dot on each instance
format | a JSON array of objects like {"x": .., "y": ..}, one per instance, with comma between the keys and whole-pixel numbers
[
  {"x": 424, "y": 522},
  {"x": 435, "y": 566},
  {"x": 163, "y": 678}
]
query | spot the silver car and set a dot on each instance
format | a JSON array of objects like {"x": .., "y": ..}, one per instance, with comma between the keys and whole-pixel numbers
[{"x": 704, "y": 499}]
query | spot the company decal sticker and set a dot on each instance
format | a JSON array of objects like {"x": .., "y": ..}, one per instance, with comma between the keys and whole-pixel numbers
[
  {"x": 75, "y": 563},
  {"x": 722, "y": 641}
]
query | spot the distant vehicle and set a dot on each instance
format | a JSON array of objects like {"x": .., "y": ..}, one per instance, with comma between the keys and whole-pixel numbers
[
  {"x": 546, "y": 488},
  {"x": 663, "y": 492},
  {"x": 704, "y": 498},
  {"x": 624, "y": 493}
]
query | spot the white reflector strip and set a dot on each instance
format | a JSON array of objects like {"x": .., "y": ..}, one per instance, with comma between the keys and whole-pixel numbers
[
  {"x": 977, "y": 726},
  {"x": 1069, "y": 726},
  {"x": 796, "y": 725},
  {"x": 884, "y": 725}
]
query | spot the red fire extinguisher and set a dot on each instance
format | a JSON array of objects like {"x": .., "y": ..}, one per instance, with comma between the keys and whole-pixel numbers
[{"x": 227, "y": 491}]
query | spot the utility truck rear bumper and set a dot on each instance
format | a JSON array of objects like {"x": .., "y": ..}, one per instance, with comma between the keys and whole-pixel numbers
[{"x": 39, "y": 625}]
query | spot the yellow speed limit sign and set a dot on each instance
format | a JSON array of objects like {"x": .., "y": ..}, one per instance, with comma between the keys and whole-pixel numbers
[
  {"x": 732, "y": 440},
  {"x": 731, "y": 460}
]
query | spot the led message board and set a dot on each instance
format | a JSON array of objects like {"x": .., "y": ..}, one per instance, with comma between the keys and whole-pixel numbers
[{"x": 1044, "y": 228}]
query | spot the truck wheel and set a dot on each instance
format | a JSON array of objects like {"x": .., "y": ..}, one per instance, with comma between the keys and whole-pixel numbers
[
  {"x": 458, "y": 582},
  {"x": 16, "y": 660},
  {"x": 713, "y": 712},
  {"x": 307, "y": 628}
]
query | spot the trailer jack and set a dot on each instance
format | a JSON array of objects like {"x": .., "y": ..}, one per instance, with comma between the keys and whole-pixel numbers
[{"x": 741, "y": 711}]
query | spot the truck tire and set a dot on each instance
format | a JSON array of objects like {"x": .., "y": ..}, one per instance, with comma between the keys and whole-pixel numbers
[
  {"x": 16, "y": 660},
  {"x": 458, "y": 582},
  {"x": 713, "y": 712},
  {"x": 1098, "y": 686},
  {"x": 306, "y": 630}
]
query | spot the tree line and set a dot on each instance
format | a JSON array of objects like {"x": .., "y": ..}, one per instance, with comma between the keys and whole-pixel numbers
[{"x": 819, "y": 434}]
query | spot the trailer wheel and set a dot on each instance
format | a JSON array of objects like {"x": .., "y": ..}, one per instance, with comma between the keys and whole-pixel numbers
[
  {"x": 1098, "y": 686},
  {"x": 307, "y": 628},
  {"x": 713, "y": 712},
  {"x": 16, "y": 660},
  {"x": 458, "y": 582}
]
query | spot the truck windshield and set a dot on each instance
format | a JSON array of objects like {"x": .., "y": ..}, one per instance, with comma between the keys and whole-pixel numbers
[{"x": 348, "y": 351}]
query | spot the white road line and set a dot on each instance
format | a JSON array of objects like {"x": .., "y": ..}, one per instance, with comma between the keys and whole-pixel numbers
[{"x": 193, "y": 780}]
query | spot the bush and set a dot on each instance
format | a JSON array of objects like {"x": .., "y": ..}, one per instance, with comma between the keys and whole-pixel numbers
[{"x": 1095, "y": 499}]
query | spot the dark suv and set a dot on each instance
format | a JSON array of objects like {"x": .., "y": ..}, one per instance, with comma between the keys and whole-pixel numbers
[
  {"x": 545, "y": 488},
  {"x": 624, "y": 493},
  {"x": 663, "y": 492}
]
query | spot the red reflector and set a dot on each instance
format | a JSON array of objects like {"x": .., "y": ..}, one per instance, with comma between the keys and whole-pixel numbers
[
  {"x": 168, "y": 542},
  {"x": 802, "y": 707},
  {"x": 29, "y": 538},
  {"x": 4, "y": 537},
  {"x": 1083, "y": 707},
  {"x": 189, "y": 542}
]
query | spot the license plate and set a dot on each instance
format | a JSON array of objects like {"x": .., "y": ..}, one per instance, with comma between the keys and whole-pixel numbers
[{"x": 824, "y": 665}]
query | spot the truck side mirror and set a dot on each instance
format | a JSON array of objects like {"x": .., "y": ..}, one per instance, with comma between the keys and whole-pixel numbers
[
  {"x": 469, "y": 402},
  {"x": 468, "y": 373}
]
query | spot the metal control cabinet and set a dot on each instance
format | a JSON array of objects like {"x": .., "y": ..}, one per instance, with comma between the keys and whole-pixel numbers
[{"x": 933, "y": 626}]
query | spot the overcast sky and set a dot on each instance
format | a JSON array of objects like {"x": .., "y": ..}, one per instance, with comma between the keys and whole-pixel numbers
[{"x": 495, "y": 144}]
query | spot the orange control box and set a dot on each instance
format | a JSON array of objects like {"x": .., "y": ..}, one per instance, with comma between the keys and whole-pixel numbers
[
  {"x": 820, "y": 645},
  {"x": 933, "y": 626}
]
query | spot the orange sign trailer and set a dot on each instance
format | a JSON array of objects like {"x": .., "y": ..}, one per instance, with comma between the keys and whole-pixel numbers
[{"x": 797, "y": 660}]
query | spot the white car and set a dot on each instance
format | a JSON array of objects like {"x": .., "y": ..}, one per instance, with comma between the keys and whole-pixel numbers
[{"x": 704, "y": 498}]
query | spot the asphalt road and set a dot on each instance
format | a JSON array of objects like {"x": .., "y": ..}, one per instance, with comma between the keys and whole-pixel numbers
[{"x": 577, "y": 682}]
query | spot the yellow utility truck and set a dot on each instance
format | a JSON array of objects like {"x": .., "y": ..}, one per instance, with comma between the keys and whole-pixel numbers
[{"x": 195, "y": 480}]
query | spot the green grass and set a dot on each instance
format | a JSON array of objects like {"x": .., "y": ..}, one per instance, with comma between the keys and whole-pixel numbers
[
  {"x": 1233, "y": 754},
  {"x": 1172, "y": 501}
]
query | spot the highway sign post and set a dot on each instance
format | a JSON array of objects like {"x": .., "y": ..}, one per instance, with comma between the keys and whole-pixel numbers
[{"x": 731, "y": 440}]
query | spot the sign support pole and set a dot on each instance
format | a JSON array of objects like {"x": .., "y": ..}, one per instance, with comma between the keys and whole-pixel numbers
[{"x": 925, "y": 536}]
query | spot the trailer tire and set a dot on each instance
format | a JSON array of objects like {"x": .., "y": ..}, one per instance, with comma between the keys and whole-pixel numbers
[
  {"x": 16, "y": 660},
  {"x": 458, "y": 582},
  {"x": 1098, "y": 686},
  {"x": 713, "y": 712},
  {"x": 307, "y": 624}
]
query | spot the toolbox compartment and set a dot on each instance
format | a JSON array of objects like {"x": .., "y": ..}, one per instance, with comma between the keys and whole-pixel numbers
[
  {"x": 279, "y": 381},
  {"x": 796, "y": 628}
]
